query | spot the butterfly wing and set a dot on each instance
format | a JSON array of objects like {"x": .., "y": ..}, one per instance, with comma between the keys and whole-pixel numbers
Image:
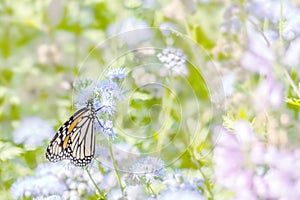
[
  {"x": 82, "y": 140},
  {"x": 75, "y": 139}
]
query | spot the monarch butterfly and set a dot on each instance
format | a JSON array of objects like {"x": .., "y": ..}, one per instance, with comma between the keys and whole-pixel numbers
[{"x": 75, "y": 139}]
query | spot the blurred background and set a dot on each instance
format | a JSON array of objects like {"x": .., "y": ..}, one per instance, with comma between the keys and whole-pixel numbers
[{"x": 239, "y": 76}]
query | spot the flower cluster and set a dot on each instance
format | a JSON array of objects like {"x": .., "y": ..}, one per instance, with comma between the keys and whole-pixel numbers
[
  {"x": 178, "y": 181},
  {"x": 271, "y": 10},
  {"x": 147, "y": 170},
  {"x": 259, "y": 55},
  {"x": 56, "y": 179},
  {"x": 32, "y": 132},
  {"x": 106, "y": 93},
  {"x": 252, "y": 169},
  {"x": 174, "y": 61}
]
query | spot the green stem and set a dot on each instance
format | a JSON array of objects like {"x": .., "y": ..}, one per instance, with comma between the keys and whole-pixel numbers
[
  {"x": 148, "y": 185},
  {"x": 101, "y": 194},
  {"x": 286, "y": 73},
  {"x": 115, "y": 167},
  {"x": 206, "y": 180}
]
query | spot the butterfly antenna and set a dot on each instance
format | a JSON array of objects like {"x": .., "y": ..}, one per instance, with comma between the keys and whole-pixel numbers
[{"x": 99, "y": 122}]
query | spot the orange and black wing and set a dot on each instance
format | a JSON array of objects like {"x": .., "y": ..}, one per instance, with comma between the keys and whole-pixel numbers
[{"x": 75, "y": 140}]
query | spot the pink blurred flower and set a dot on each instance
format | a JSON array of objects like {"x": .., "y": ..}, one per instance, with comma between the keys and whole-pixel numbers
[
  {"x": 292, "y": 54},
  {"x": 259, "y": 57},
  {"x": 252, "y": 170},
  {"x": 269, "y": 93}
]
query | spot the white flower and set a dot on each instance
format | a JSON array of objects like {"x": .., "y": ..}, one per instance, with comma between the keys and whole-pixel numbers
[
  {"x": 85, "y": 90},
  {"x": 32, "y": 132},
  {"x": 51, "y": 197},
  {"x": 56, "y": 179},
  {"x": 228, "y": 83},
  {"x": 37, "y": 186},
  {"x": 136, "y": 192},
  {"x": 292, "y": 55},
  {"x": 106, "y": 127},
  {"x": 181, "y": 194},
  {"x": 148, "y": 169},
  {"x": 109, "y": 93},
  {"x": 117, "y": 73},
  {"x": 174, "y": 60}
]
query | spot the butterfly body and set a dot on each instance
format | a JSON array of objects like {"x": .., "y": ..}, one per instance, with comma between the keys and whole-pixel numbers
[{"x": 75, "y": 139}]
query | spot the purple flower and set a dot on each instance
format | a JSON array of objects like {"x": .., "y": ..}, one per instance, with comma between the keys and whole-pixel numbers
[
  {"x": 228, "y": 156},
  {"x": 270, "y": 93},
  {"x": 252, "y": 170},
  {"x": 259, "y": 57},
  {"x": 292, "y": 54},
  {"x": 271, "y": 10}
]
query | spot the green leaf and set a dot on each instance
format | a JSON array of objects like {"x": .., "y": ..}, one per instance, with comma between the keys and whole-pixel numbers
[
  {"x": 293, "y": 101},
  {"x": 141, "y": 96},
  {"x": 229, "y": 121},
  {"x": 8, "y": 151}
]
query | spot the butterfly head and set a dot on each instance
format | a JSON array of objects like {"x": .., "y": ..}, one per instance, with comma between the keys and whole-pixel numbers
[{"x": 90, "y": 103}]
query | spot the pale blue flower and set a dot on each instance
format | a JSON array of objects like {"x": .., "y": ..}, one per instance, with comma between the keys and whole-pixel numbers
[
  {"x": 176, "y": 181},
  {"x": 108, "y": 94},
  {"x": 117, "y": 73},
  {"x": 135, "y": 192},
  {"x": 148, "y": 169},
  {"x": 115, "y": 194},
  {"x": 32, "y": 132},
  {"x": 259, "y": 56},
  {"x": 51, "y": 197},
  {"x": 37, "y": 186},
  {"x": 106, "y": 128},
  {"x": 232, "y": 25},
  {"x": 228, "y": 83},
  {"x": 82, "y": 84},
  {"x": 270, "y": 9},
  {"x": 57, "y": 179},
  {"x": 56, "y": 169},
  {"x": 173, "y": 60},
  {"x": 181, "y": 194},
  {"x": 292, "y": 54},
  {"x": 84, "y": 91}
]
